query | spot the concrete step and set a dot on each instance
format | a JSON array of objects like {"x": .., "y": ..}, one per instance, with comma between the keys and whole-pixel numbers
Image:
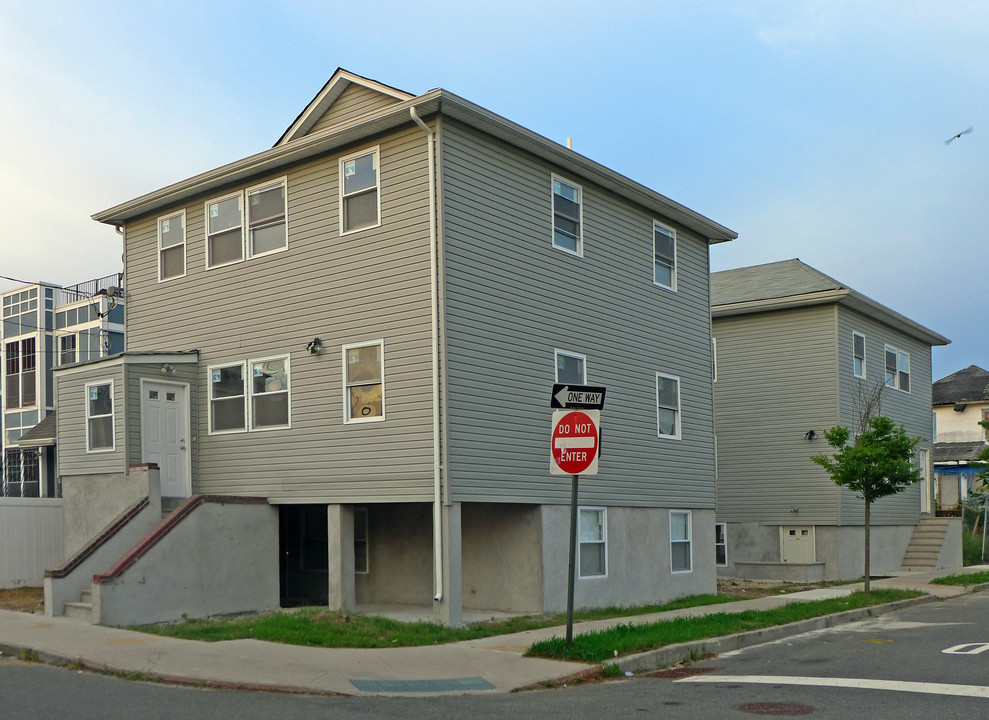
[
  {"x": 926, "y": 542},
  {"x": 86, "y": 596},
  {"x": 79, "y": 610}
]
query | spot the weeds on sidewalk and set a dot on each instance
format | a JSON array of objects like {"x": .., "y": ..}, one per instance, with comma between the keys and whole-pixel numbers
[
  {"x": 974, "y": 578},
  {"x": 629, "y": 638}
]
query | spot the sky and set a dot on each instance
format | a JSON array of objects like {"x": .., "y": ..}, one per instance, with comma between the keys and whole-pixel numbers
[{"x": 813, "y": 129}]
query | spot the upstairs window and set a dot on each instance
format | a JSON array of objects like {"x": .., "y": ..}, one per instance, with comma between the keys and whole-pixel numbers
[
  {"x": 226, "y": 399},
  {"x": 364, "y": 387},
  {"x": 99, "y": 417},
  {"x": 858, "y": 354},
  {"x": 567, "y": 217},
  {"x": 664, "y": 247},
  {"x": 171, "y": 246},
  {"x": 668, "y": 406},
  {"x": 269, "y": 393},
  {"x": 225, "y": 230},
  {"x": 266, "y": 213},
  {"x": 571, "y": 368},
  {"x": 66, "y": 349},
  {"x": 897, "y": 369},
  {"x": 360, "y": 205},
  {"x": 20, "y": 378}
]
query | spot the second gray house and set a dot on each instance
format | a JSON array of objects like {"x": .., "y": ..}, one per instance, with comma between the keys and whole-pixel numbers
[
  {"x": 798, "y": 352},
  {"x": 344, "y": 346}
]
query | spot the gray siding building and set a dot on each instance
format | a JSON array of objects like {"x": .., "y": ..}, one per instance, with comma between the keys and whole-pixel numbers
[
  {"x": 363, "y": 324},
  {"x": 797, "y": 353}
]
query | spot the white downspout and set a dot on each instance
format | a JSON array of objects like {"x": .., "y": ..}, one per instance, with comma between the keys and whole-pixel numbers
[{"x": 435, "y": 324}]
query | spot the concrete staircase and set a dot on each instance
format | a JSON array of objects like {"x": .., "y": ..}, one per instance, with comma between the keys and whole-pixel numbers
[
  {"x": 82, "y": 610},
  {"x": 168, "y": 504},
  {"x": 925, "y": 544}
]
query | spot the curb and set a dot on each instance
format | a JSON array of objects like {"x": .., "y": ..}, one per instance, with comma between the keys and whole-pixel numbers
[{"x": 691, "y": 651}]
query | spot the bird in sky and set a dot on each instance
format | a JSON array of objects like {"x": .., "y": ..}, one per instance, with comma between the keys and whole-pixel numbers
[{"x": 955, "y": 137}]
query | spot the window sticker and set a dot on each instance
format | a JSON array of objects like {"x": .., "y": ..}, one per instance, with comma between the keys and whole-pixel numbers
[
  {"x": 256, "y": 199},
  {"x": 350, "y": 168},
  {"x": 352, "y": 356},
  {"x": 258, "y": 371},
  {"x": 214, "y": 211},
  {"x": 164, "y": 226},
  {"x": 94, "y": 394},
  {"x": 216, "y": 376}
]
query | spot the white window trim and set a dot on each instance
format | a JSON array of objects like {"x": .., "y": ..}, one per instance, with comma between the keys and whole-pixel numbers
[
  {"x": 602, "y": 541},
  {"x": 243, "y": 225},
  {"x": 249, "y": 249},
  {"x": 250, "y": 393},
  {"x": 362, "y": 510},
  {"x": 185, "y": 245},
  {"x": 60, "y": 335},
  {"x": 679, "y": 417},
  {"x": 567, "y": 353},
  {"x": 689, "y": 541},
  {"x": 865, "y": 355},
  {"x": 724, "y": 535},
  {"x": 896, "y": 374},
  {"x": 347, "y": 420},
  {"x": 113, "y": 417},
  {"x": 673, "y": 271},
  {"x": 376, "y": 151},
  {"x": 552, "y": 215},
  {"x": 209, "y": 397}
]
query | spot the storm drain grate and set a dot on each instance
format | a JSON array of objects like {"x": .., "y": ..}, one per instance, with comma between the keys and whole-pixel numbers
[
  {"x": 771, "y": 708},
  {"x": 413, "y": 686},
  {"x": 679, "y": 673}
]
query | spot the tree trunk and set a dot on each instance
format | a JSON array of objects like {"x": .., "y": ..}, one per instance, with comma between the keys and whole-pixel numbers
[{"x": 868, "y": 570}]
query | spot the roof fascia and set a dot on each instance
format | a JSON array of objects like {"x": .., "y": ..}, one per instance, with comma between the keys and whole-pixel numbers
[
  {"x": 333, "y": 89},
  {"x": 784, "y": 303},
  {"x": 385, "y": 119}
]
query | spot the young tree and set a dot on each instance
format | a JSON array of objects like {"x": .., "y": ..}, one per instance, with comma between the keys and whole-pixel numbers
[{"x": 879, "y": 463}]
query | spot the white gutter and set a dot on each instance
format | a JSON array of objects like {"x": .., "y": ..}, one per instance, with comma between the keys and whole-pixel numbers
[{"x": 435, "y": 350}]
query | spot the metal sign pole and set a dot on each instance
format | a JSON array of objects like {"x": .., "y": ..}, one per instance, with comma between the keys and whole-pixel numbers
[{"x": 573, "y": 559}]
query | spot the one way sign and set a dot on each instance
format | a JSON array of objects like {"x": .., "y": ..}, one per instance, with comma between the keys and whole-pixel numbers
[{"x": 577, "y": 397}]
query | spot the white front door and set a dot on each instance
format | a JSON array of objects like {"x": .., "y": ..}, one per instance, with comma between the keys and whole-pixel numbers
[
  {"x": 798, "y": 544},
  {"x": 165, "y": 434}
]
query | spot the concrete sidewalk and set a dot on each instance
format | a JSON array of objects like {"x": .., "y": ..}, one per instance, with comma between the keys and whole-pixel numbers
[{"x": 493, "y": 664}]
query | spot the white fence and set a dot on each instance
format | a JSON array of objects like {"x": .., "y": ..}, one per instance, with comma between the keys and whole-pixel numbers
[{"x": 30, "y": 540}]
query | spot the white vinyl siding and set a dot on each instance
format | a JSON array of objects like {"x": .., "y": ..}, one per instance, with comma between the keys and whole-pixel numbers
[
  {"x": 568, "y": 221},
  {"x": 664, "y": 250},
  {"x": 171, "y": 246},
  {"x": 680, "y": 541},
  {"x": 592, "y": 533}
]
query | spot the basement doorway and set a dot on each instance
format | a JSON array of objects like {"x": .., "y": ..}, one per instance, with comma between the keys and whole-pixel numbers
[{"x": 303, "y": 549}]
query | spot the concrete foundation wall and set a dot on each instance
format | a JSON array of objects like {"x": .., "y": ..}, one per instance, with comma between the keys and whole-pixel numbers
[
  {"x": 888, "y": 544},
  {"x": 750, "y": 543},
  {"x": 502, "y": 564},
  {"x": 93, "y": 501},
  {"x": 222, "y": 558},
  {"x": 951, "y": 549},
  {"x": 638, "y": 559},
  {"x": 400, "y": 555},
  {"x": 30, "y": 540}
]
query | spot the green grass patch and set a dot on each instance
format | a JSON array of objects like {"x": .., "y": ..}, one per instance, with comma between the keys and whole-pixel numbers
[
  {"x": 318, "y": 627},
  {"x": 962, "y": 579},
  {"x": 971, "y": 548},
  {"x": 628, "y": 638}
]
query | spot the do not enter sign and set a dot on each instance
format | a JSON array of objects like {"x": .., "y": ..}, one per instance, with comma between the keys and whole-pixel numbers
[{"x": 576, "y": 438}]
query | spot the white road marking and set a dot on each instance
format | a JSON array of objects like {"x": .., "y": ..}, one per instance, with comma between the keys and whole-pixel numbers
[
  {"x": 967, "y": 649},
  {"x": 861, "y": 683}
]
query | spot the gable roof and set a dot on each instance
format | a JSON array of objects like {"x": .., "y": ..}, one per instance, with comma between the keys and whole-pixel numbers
[
  {"x": 792, "y": 283},
  {"x": 333, "y": 89},
  {"x": 300, "y": 148},
  {"x": 41, "y": 435},
  {"x": 969, "y": 384}
]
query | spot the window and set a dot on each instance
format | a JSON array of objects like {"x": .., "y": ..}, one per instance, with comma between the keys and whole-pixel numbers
[
  {"x": 266, "y": 213},
  {"x": 171, "y": 246},
  {"x": 897, "y": 369},
  {"x": 269, "y": 393},
  {"x": 680, "y": 540},
  {"x": 360, "y": 205},
  {"x": 224, "y": 231},
  {"x": 721, "y": 544},
  {"x": 21, "y": 476},
  {"x": 226, "y": 399},
  {"x": 858, "y": 354},
  {"x": 567, "y": 217},
  {"x": 571, "y": 368},
  {"x": 66, "y": 349},
  {"x": 593, "y": 545},
  {"x": 99, "y": 417},
  {"x": 360, "y": 541},
  {"x": 664, "y": 248},
  {"x": 364, "y": 371},
  {"x": 668, "y": 406},
  {"x": 19, "y": 368}
]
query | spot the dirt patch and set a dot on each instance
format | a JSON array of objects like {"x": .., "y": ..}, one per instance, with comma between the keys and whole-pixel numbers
[
  {"x": 25, "y": 599},
  {"x": 739, "y": 588}
]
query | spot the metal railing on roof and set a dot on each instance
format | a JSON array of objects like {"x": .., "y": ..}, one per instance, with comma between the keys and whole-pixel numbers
[{"x": 84, "y": 290}]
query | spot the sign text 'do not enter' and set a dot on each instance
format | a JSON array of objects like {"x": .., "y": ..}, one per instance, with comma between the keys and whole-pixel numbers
[{"x": 575, "y": 442}]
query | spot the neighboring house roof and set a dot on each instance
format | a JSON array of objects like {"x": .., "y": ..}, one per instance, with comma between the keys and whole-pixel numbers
[
  {"x": 294, "y": 146},
  {"x": 41, "y": 435},
  {"x": 968, "y": 385},
  {"x": 792, "y": 283},
  {"x": 957, "y": 452}
]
